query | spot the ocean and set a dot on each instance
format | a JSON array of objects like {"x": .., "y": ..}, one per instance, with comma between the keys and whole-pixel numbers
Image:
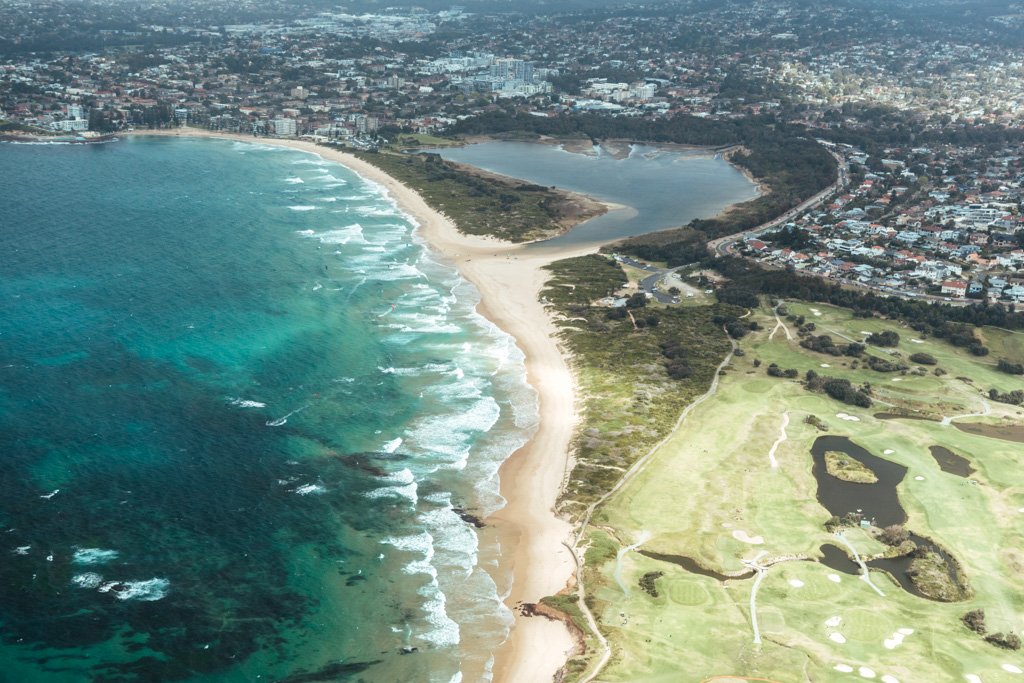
[{"x": 247, "y": 423}]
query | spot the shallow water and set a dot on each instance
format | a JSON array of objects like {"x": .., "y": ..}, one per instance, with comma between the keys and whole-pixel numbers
[
  {"x": 661, "y": 188},
  {"x": 242, "y": 415}
]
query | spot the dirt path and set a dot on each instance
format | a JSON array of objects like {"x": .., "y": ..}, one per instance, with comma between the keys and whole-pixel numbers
[
  {"x": 946, "y": 421},
  {"x": 865, "y": 577},
  {"x": 761, "y": 573},
  {"x": 778, "y": 324},
  {"x": 778, "y": 442},
  {"x": 643, "y": 538}
]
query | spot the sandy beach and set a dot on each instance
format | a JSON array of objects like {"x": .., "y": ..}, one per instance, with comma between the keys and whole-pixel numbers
[{"x": 533, "y": 560}]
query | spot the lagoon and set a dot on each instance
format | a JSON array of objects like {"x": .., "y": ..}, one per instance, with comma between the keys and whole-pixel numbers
[{"x": 659, "y": 188}]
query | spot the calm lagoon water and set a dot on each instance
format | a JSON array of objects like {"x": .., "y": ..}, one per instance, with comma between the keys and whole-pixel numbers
[
  {"x": 241, "y": 411},
  {"x": 660, "y": 188}
]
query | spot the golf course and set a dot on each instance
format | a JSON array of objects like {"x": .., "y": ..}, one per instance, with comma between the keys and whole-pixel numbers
[{"x": 782, "y": 534}]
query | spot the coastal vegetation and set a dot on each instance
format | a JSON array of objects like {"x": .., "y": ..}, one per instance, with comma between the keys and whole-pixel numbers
[
  {"x": 637, "y": 371},
  {"x": 484, "y": 204}
]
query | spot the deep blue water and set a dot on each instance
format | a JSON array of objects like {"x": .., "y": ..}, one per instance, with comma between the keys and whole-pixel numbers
[
  {"x": 660, "y": 188},
  {"x": 241, "y": 409}
]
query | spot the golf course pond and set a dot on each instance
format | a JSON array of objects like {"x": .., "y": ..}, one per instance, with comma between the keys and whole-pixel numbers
[{"x": 878, "y": 502}]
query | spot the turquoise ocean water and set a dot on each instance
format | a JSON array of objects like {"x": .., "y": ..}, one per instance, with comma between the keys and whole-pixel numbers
[{"x": 243, "y": 417}]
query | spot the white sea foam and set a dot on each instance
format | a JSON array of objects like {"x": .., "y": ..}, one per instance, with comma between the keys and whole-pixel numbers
[
  {"x": 21, "y": 550},
  {"x": 91, "y": 556},
  {"x": 408, "y": 491},
  {"x": 348, "y": 234},
  {"x": 303, "y": 207},
  {"x": 374, "y": 211},
  {"x": 308, "y": 489},
  {"x": 450, "y": 434},
  {"x": 87, "y": 580},
  {"x": 392, "y": 446},
  {"x": 445, "y": 632},
  {"x": 51, "y": 494},
  {"x": 295, "y": 180},
  {"x": 149, "y": 590},
  {"x": 246, "y": 403}
]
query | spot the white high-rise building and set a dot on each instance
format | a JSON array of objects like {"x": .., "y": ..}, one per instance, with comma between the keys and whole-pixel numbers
[
  {"x": 285, "y": 127},
  {"x": 76, "y": 111}
]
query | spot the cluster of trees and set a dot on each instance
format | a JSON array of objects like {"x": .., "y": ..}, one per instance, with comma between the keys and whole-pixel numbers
[
  {"x": 677, "y": 363},
  {"x": 736, "y": 328},
  {"x": 883, "y": 365},
  {"x": 824, "y": 344},
  {"x": 839, "y": 389},
  {"x": 1010, "y": 368},
  {"x": 886, "y": 338},
  {"x": 1014, "y": 398},
  {"x": 789, "y": 236},
  {"x": 975, "y": 620},
  {"x": 941, "y": 320},
  {"x": 775, "y": 371},
  {"x": 923, "y": 358}
]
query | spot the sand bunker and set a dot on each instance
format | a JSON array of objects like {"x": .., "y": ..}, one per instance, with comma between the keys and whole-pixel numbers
[
  {"x": 897, "y": 379},
  {"x": 837, "y": 637},
  {"x": 815, "y": 311},
  {"x": 919, "y": 478},
  {"x": 973, "y": 678},
  {"x": 825, "y": 365},
  {"x": 796, "y": 583},
  {"x": 743, "y": 537},
  {"x": 1013, "y": 669},
  {"x": 888, "y": 451},
  {"x": 843, "y": 668},
  {"x": 917, "y": 341},
  {"x": 866, "y": 672},
  {"x": 832, "y": 622},
  {"x": 848, "y": 417},
  {"x": 834, "y": 578},
  {"x": 905, "y": 631},
  {"x": 889, "y": 679}
]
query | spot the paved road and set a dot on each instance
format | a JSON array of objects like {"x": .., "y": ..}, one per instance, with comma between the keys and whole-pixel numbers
[
  {"x": 649, "y": 284},
  {"x": 723, "y": 245}
]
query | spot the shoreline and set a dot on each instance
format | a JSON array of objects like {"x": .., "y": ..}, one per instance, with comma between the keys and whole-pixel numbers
[{"x": 534, "y": 560}]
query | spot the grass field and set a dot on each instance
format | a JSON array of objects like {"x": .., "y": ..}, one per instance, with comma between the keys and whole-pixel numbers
[{"x": 711, "y": 493}]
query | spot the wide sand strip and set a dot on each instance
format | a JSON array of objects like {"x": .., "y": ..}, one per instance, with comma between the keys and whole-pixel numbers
[{"x": 533, "y": 555}]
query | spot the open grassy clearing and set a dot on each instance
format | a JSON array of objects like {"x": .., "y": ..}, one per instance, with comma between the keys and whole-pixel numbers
[{"x": 711, "y": 494}]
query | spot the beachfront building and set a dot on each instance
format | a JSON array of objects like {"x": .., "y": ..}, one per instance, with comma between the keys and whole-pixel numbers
[{"x": 285, "y": 127}]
